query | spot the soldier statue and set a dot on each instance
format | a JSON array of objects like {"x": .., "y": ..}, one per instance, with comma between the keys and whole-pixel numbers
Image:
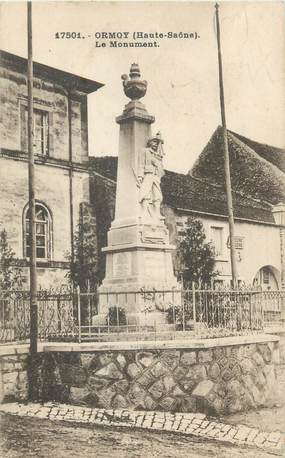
[{"x": 150, "y": 171}]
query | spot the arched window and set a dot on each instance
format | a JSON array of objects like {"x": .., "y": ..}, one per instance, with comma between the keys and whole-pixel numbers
[{"x": 43, "y": 232}]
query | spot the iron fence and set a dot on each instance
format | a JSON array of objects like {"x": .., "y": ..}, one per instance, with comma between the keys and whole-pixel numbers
[
  {"x": 144, "y": 314},
  {"x": 201, "y": 313},
  {"x": 56, "y": 315}
]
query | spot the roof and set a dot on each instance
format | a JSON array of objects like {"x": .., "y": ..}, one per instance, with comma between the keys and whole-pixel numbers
[
  {"x": 188, "y": 193},
  {"x": 185, "y": 192},
  {"x": 69, "y": 80},
  {"x": 257, "y": 170},
  {"x": 270, "y": 153}
]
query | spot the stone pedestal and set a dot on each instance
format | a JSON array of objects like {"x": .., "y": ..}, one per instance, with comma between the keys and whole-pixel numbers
[{"x": 138, "y": 255}]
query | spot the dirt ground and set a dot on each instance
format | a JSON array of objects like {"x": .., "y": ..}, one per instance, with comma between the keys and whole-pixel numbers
[{"x": 23, "y": 437}]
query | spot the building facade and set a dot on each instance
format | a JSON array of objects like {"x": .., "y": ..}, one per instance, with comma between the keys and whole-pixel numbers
[
  {"x": 259, "y": 226},
  {"x": 61, "y": 163},
  {"x": 257, "y": 171},
  {"x": 257, "y": 247}
]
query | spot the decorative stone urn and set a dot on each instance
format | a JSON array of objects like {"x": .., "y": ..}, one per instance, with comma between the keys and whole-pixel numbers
[{"x": 134, "y": 88}]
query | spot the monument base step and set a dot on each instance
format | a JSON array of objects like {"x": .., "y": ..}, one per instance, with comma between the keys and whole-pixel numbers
[{"x": 155, "y": 320}]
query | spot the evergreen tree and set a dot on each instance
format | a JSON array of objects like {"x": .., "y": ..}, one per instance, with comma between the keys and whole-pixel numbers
[
  {"x": 84, "y": 268},
  {"x": 84, "y": 265},
  {"x": 195, "y": 255}
]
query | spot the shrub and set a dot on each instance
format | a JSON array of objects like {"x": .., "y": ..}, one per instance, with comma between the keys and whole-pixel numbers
[
  {"x": 116, "y": 316},
  {"x": 11, "y": 277},
  {"x": 174, "y": 315}
]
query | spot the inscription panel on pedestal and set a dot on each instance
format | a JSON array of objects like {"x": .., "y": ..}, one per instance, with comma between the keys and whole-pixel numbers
[
  {"x": 153, "y": 234},
  {"x": 122, "y": 264},
  {"x": 154, "y": 264}
]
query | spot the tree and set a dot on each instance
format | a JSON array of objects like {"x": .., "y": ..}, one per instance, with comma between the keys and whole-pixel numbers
[
  {"x": 84, "y": 265},
  {"x": 196, "y": 256},
  {"x": 83, "y": 270},
  {"x": 10, "y": 274}
]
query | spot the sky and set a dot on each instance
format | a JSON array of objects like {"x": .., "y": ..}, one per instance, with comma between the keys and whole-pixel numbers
[{"x": 182, "y": 74}]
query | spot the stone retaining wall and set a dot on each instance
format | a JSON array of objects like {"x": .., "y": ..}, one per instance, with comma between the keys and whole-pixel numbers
[
  {"x": 282, "y": 346},
  {"x": 13, "y": 377},
  {"x": 221, "y": 379}
]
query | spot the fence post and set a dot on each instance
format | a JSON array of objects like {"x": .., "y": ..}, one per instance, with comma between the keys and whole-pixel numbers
[
  {"x": 194, "y": 304},
  {"x": 79, "y": 314},
  {"x": 183, "y": 311},
  {"x": 250, "y": 310},
  {"x": 262, "y": 308},
  {"x": 108, "y": 324},
  {"x": 117, "y": 313},
  {"x": 15, "y": 318},
  {"x": 89, "y": 308},
  {"x": 59, "y": 314},
  {"x": 72, "y": 311},
  {"x": 173, "y": 315}
]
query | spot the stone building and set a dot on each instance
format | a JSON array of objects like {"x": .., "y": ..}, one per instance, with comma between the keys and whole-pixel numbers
[
  {"x": 259, "y": 227},
  {"x": 61, "y": 162},
  {"x": 258, "y": 171}
]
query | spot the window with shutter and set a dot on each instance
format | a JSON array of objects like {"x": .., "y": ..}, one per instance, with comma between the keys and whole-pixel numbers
[
  {"x": 41, "y": 131},
  {"x": 217, "y": 240}
]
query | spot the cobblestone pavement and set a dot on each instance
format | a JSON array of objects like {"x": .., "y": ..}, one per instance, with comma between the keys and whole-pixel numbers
[{"x": 192, "y": 424}]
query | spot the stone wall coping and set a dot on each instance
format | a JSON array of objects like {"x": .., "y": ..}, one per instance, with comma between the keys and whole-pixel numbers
[
  {"x": 193, "y": 344},
  {"x": 18, "y": 348},
  {"x": 276, "y": 330}
]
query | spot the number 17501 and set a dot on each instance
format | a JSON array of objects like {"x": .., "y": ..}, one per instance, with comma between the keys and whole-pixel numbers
[{"x": 68, "y": 35}]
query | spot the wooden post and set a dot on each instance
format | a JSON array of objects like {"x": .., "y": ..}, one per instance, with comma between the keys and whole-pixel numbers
[
  {"x": 70, "y": 171},
  {"x": 226, "y": 157},
  {"x": 33, "y": 363},
  {"x": 32, "y": 210}
]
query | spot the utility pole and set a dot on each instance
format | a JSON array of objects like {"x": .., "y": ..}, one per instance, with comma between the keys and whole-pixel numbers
[
  {"x": 32, "y": 210},
  {"x": 69, "y": 111},
  {"x": 226, "y": 158}
]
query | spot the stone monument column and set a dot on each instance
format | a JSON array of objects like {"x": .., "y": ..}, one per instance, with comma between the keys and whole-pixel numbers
[{"x": 138, "y": 255}]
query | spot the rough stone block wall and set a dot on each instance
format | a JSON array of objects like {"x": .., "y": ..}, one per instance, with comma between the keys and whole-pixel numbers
[
  {"x": 13, "y": 377},
  {"x": 282, "y": 347},
  {"x": 216, "y": 380}
]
